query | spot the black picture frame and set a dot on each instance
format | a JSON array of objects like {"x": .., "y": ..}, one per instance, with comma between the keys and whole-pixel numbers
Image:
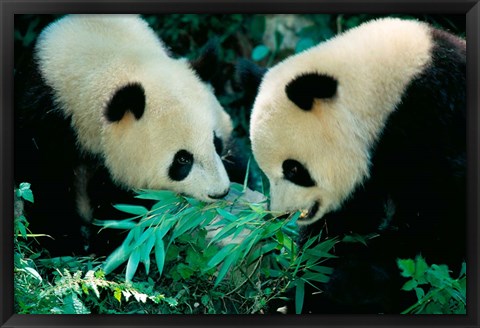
[{"x": 8, "y": 8}]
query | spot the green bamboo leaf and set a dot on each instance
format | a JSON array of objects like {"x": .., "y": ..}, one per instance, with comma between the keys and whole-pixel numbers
[
  {"x": 146, "y": 250},
  {"x": 229, "y": 261},
  {"x": 166, "y": 196},
  {"x": 227, "y": 215},
  {"x": 165, "y": 227},
  {"x": 214, "y": 261},
  {"x": 160, "y": 255},
  {"x": 189, "y": 221},
  {"x": 223, "y": 232},
  {"x": 325, "y": 246},
  {"x": 304, "y": 44},
  {"x": 322, "y": 269},
  {"x": 315, "y": 276},
  {"x": 131, "y": 209},
  {"x": 299, "y": 295},
  {"x": 132, "y": 264},
  {"x": 126, "y": 224},
  {"x": 309, "y": 242},
  {"x": 143, "y": 238},
  {"x": 463, "y": 270},
  {"x": 120, "y": 255},
  {"x": 245, "y": 180},
  {"x": 272, "y": 229},
  {"x": 194, "y": 202},
  {"x": 260, "y": 52}
]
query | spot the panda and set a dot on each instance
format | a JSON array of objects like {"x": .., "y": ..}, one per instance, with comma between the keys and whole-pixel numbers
[
  {"x": 366, "y": 134},
  {"x": 104, "y": 109}
]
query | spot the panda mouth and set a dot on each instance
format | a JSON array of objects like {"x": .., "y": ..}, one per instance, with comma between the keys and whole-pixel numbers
[{"x": 310, "y": 213}]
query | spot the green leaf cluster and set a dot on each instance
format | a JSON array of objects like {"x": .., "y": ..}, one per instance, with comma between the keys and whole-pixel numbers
[
  {"x": 72, "y": 285},
  {"x": 437, "y": 292},
  {"x": 233, "y": 249}
]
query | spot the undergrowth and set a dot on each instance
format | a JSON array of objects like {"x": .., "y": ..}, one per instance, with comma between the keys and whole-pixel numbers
[
  {"x": 232, "y": 256},
  {"x": 185, "y": 256}
]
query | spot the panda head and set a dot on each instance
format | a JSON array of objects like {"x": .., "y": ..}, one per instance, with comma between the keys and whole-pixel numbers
[
  {"x": 318, "y": 114},
  {"x": 151, "y": 119},
  {"x": 169, "y": 139}
]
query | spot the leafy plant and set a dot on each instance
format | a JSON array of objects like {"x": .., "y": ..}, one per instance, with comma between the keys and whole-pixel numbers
[
  {"x": 233, "y": 246},
  {"x": 70, "y": 285},
  {"x": 437, "y": 292}
]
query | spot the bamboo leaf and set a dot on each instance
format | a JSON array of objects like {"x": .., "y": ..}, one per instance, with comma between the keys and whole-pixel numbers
[
  {"x": 214, "y": 261},
  {"x": 146, "y": 250},
  {"x": 126, "y": 224},
  {"x": 227, "y": 215},
  {"x": 226, "y": 267},
  {"x": 299, "y": 295},
  {"x": 166, "y": 196},
  {"x": 120, "y": 255},
  {"x": 160, "y": 255},
  {"x": 132, "y": 264},
  {"x": 131, "y": 209},
  {"x": 260, "y": 52}
]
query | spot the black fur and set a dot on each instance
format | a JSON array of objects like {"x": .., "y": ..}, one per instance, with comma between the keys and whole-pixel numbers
[
  {"x": 181, "y": 165},
  {"x": 303, "y": 89},
  {"x": 45, "y": 156},
  {"x": 419, "y": 166},
  {"x": 218, "y": 144},
  {"x": 103, "y": 194},
  {"x": 131, "y": 98},
  {"x": 297, "y": 173},
  {"x": 207, "y": 63},
  {"x": 250, "y": 76}
]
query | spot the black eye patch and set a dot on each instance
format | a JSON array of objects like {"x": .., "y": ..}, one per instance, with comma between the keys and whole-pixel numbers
[
  {"x": 181, "y": 165},
  {"x": 218, "y": 144},
  {"x": 296, "y": 173}
]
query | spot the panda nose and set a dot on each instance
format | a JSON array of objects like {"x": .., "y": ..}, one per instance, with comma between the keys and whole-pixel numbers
[{"x": 219, "y": 196}]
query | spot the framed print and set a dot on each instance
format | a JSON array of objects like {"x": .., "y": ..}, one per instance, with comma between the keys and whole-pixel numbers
[{"x": 206, "y": 163}]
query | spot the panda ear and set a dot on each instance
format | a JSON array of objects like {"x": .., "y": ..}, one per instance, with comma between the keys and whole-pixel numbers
[
  {"x": 303, "y": 89},
  {"x": 130, "y": 97},
  {"x": 207, "y": 63},
  {"x": 250, "y": 76}
]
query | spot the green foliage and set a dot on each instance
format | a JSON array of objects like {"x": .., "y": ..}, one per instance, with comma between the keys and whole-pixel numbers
[
  {"x": 437, "y": 292},
  {"x": 232, "y": 250},
  {"x": 72, "y": 285}
]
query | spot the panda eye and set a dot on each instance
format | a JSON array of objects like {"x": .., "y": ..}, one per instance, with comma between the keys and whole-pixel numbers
[
  {"x": 181, "y": 165},
  {"x": 184, "y": 159},
  {"x": 296, "y": 173},
  {"x": 218, "y": 144}
]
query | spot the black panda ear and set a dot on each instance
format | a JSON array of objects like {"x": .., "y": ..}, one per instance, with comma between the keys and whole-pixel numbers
[
  {"x": 303, "y": 89},
  {"x": 250, "y": 76},
  {"x": 128, "y": 98},
  {"x": 207, "y": 63}
]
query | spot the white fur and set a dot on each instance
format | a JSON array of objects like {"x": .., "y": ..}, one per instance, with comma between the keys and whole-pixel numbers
[
  {"x": 373, "y": 64},
  {"x": 86, "y": 58}
]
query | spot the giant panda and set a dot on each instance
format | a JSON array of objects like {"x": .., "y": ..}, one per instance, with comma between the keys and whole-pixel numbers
[
  {"x": 104, "y": 110},
  {"x": 366, "y": 134}
]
